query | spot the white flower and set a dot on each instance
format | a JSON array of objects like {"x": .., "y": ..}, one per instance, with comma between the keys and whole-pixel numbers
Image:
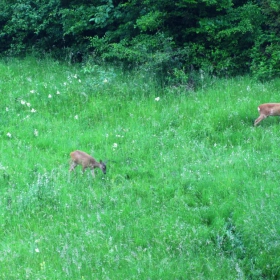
[
  {"x": 57, "y": 92},
  {"x": 28, "y": 104},
  {"x": 65, "y": 83},
  {"x": 115, "y": 145},
  {"x": 37, "y": 250},
  {"x": 32, "y": 91},
  {"x": 49, "y": 96},
  {"x": 33, "y": 110},
  {"x": 9, "y": 134},
  {"x": 36, "y": 133},
  {"x": 75, "y": 76},
  {"x": 22, "y": 102},
  {"x": 80, "y": 81},
  {"x": 157, "y": 99},
  {"x": 105, "y": 81},
  {"x": 7, "y": 109},
  {"x": 76, "y": 117}
]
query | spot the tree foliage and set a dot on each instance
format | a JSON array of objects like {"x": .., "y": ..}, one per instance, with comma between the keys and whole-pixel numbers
[{"x": 218, "y": 36}]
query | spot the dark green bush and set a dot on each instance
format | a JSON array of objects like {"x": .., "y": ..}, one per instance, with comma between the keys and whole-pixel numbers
[{"x": 222, "y": 38}]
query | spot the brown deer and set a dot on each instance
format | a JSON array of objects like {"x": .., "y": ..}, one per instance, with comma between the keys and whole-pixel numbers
[
  {"x": 82, "y": 158},
  {"x": 267, "y": 109}
]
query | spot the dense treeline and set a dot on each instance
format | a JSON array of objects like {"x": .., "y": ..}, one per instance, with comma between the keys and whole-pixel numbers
[{"x": 223, "y": 37}]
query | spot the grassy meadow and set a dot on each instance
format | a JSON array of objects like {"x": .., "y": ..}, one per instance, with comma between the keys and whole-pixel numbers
[{"x": 191, "y": 190}]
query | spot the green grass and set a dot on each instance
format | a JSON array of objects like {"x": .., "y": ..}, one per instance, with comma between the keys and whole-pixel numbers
[{"x": 191, "y": 190}]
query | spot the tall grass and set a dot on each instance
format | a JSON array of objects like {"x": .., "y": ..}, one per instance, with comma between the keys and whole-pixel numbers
[{"x": 191, "y": 190}]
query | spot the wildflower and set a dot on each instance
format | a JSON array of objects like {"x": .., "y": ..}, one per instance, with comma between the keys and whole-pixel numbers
[
  {"x": 37, "y": 250},
  {"x": 75, "y": 76},
  {"x": 76, "y": 117},
  {"x": 115, "y": 145},
  {"x": 9, "y": 134},
  {"x": 49, "y": 96},
  {"x": 65, "y": 83},
  {"x": 43, "y": 265},
  {"x": 36, "y": 133},
  {"x": 28, "y": 104},
  {"x": 57, "y": 92},
  {"x": 22, "y": 102},
  {"x": 32, "y": 91},
  {"x": 33, "y": 110},
  {"x": 80, "y": 81},
  {"x": 157, "y": 99},
  {"x": 7, "y": 109},
  {"x": 105, "y": 81}
]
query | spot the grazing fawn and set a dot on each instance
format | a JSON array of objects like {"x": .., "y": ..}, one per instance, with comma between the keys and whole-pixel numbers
[
  {"x": 79, "y": 157},
  {"x": 268, "y": 109}
]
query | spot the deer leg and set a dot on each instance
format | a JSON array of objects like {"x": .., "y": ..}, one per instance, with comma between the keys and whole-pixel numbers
[
  {"x": 259, "y": 119},
  {"x": 84, "y": 168},
  {"x": 72, "y": 166},
  {"x": 92, "y": 173}
]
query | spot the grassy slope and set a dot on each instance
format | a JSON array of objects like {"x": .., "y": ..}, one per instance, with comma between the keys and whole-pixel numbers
[{"x": 191, "y": 190}]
